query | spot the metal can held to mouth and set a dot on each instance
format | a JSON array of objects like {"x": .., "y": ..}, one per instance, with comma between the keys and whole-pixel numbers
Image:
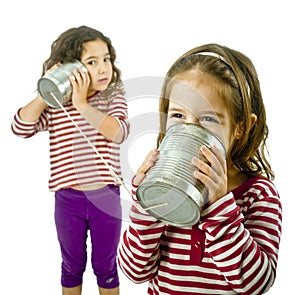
[
  {"x": 56, "y": 84},
  {"x": 170, "y": 192}
]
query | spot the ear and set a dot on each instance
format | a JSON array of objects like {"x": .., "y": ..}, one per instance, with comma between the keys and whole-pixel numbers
[
  {"x": 239, "y": 130},
  {"x": 253, "y": 119}
]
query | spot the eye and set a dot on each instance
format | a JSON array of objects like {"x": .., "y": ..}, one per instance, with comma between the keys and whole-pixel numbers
[
  {"x": 211, "y": 119},
  {"x": 91, "y": 62},
  {"x": 107, "y": 59},
  {"x": 176, "y": 115}
]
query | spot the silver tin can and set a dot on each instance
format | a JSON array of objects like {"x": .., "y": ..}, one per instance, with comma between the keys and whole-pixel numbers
[
  {"x": 170, "y": 192},
  {"x": 56, "y": 84}
]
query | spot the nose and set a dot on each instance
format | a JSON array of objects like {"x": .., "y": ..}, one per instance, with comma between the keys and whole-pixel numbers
[
  {"x": 101, "y": 68},
  {"x": 192, "y": 119}
]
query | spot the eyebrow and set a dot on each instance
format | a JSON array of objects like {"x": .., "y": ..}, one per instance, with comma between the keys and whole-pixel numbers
[
  {"x": 174, "y": 109},
  {"x": 95, "y": 57},
  {"x": 213, "y": 113}
]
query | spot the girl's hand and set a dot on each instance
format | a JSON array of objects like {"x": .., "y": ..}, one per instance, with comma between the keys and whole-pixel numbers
[
  {"x": 57, "y": 65},
  {"x": 212, "y": 174},
  {"x": 80, "y": 81},
  {"x": 146, "y": 165}
]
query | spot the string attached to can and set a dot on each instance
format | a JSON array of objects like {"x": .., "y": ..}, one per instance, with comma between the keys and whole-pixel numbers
[
  {"x": 113, "y": 173},
  {"x": 111, "y": 170}
]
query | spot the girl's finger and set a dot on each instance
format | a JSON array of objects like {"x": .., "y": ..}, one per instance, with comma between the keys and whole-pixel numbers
[
  {"x": 215, "y": 159},
  {"x": 146, "y": 165},
  {"x": 77, "y": 75},
  {"x": 213, "y": 173},
  {"x": 53, "y": 67},
  {"x": 148, "y": 162},
  {"x": 220, "y": 156},
  {"x": 138, "y": 178},
  {"x": 205, "y": 173}
]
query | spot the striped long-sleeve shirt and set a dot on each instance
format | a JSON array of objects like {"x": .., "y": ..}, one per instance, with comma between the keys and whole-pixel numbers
[
  {"x": 73, "y": 162},
  {"x": 232, "y": 250}
]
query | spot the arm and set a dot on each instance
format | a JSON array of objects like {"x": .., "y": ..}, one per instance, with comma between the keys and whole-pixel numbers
[
  {"x": 30, "y": 119},
  {"x": 113, "y": 126},
  {"x": 244, "y": 242},
  {"x": 139, "y": 249},
  {"x": 32, "y": 111}
]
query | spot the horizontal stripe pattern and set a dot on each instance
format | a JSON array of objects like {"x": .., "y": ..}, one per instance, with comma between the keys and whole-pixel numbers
[
  {"x": 73, "y": 161},
  {"x": 232, "y": 250}
]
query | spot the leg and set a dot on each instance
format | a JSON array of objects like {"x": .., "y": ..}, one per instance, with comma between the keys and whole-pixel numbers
[
  {"x": 71, "y": 226},
  {"x": 113, "y": 291},
  {"x": 72, "y": 291},
  {"x": 105, "y": 228}
]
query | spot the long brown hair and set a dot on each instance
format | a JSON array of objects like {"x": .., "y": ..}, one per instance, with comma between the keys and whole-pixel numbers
[
  {"x": 239, "y": 84},
  {"x": 69, "y": 45}
]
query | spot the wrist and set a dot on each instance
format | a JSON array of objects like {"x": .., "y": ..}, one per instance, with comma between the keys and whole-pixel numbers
[
  {"x": 81, "y": 106},
  {"x": 41, "y": 101}
]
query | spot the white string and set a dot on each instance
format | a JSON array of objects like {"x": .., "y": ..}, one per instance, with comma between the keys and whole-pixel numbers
[
  {"x": 156, "y": 206},
  {"x": 113, "y": 174}
]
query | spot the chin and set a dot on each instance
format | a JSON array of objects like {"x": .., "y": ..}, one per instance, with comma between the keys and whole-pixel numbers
[{"x": 103, "y": 87}]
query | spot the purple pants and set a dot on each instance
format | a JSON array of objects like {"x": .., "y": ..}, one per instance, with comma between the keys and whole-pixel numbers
[{"x": 76, "y": 213}]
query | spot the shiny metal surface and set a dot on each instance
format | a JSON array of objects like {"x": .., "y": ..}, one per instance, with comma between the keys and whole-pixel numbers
[
  {"x": 56, "y": 83},
  {"x": 170, "y": 192}
]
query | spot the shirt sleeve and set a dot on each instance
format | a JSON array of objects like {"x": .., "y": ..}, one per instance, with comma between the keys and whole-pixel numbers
[
  {"x": 120, "y": 112},
  {"x": 244, "y": 241},
  {"x": 139, "y": 249},
  {"x": 25, "y": 129}
]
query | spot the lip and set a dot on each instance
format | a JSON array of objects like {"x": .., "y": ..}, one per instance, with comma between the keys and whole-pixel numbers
[{"x": 103, "y": 80}]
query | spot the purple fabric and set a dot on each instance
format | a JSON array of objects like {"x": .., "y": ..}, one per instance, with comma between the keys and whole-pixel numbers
[{"x": 76, "y": 213}]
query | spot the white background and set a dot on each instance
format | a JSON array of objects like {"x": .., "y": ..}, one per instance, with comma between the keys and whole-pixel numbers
[{"x": 148, "y": 37}]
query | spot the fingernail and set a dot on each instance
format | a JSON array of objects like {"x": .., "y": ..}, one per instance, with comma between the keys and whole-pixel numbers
[
  {"x": 194, "y": 160},
  {"x": 203, "y": 148},
  {"x": 138, "y": 178}
]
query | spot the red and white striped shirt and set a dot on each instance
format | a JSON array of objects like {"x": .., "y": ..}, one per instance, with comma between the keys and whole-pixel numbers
[
  {"x": 232, "y": 250},
  {"x": 73, "y": 161}
]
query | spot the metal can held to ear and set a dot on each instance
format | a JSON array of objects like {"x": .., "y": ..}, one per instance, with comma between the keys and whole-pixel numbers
[
  {"x": 56, "y": 84},
  {"x": 170, "y": 192}
]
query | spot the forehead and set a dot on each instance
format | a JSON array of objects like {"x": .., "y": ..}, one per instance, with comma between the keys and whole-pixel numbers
[
  {"x": 196, "y": 95},
  {"x": 94, "y": 48}
]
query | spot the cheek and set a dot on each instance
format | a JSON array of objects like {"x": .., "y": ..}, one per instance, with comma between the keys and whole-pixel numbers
[
  {"x": 170, "y": 122},
  {"x": 224, "y": 135},
  {"x": 91, "y": 74},
  {"x": 228, "y": 141},
  {"x": 217, "y": 130},
  {"x": 110, "y": 71}
]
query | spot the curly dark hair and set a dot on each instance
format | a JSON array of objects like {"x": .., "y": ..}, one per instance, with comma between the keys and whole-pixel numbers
[{"x": 69, "y": 45}]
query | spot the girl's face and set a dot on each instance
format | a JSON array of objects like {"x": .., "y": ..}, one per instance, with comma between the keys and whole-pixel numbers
[
  {"x": 199, "y": 103},
  {"x": 96, "y": 58}
]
